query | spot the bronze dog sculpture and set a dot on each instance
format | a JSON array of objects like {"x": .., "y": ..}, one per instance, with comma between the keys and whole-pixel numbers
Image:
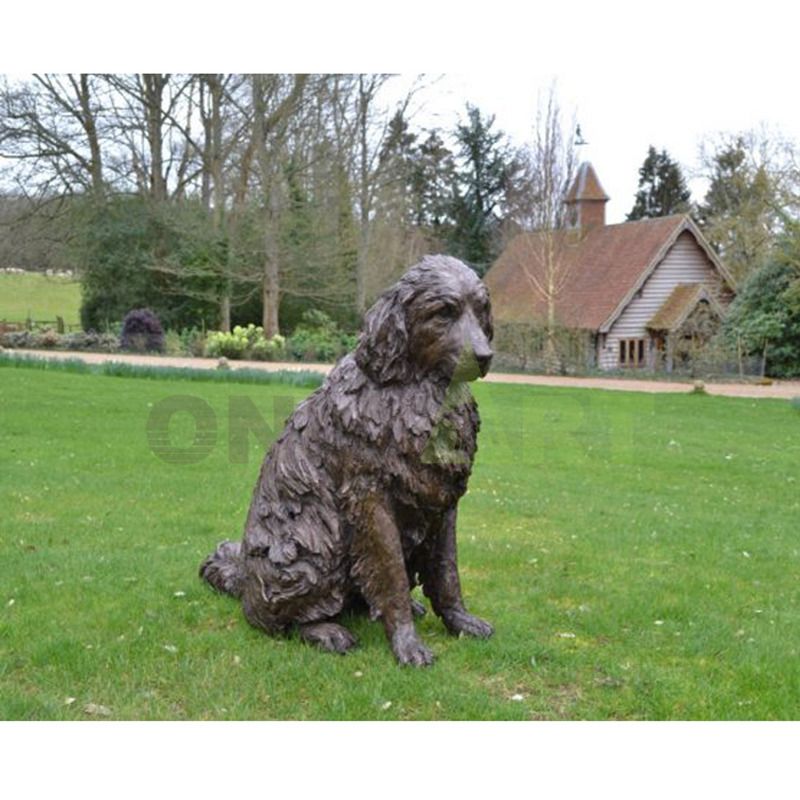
[{"x": 356, "y": 500}]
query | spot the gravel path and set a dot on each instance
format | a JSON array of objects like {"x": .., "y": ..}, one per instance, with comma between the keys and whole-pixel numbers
[{"x": 778, "y": 389}]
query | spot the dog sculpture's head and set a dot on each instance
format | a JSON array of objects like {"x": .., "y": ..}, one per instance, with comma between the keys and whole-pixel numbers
[{"x": 436, "y": 320}]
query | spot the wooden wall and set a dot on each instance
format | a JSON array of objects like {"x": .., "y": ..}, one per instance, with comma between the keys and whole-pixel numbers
[{"x": 685, "y": 262}]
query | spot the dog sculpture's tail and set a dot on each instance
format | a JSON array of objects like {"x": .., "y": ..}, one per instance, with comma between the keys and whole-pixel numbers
[{"x": 223, "y": 568}]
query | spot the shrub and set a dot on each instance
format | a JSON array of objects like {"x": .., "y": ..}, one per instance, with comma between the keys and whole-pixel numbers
[
  {"x": 272, "y": 349},
  {"x": 173, "y": 344},
  {"x": 119, "y": 242},
  {"x": 246, "y": 342},
  {"x": 193, "y": 342},
  {"x": 318, "y": 338},
  {"x": 141, "y": 331},
  {"x": 104, "y": 342},
  {"x": 252, "y": 333},
  {"x": 229, "y": 345},
  {"x": 48, "y": 338},
  {"x": 77, "y": 341},
  {"x": 527, "y": 346},
  {"x": 764, "y": 319},
  {"x": 18, "y": 339}
]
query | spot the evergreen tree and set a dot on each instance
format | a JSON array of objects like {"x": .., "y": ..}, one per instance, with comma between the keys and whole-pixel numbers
[
  {"x": 392, "y": 244},
  {"x": 662, "y": 188},
  {"x": 317, "y": 236},
  {"x": 481, "y": 180},
  {"x": 432, "y": 179},
  {"x": 396, "y": 168}
]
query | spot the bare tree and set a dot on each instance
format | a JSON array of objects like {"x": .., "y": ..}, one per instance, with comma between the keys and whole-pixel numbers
[
  {"x": 274, "y": 98},
  {"x": 754, "y": 183},
  {"x": 320, "y": 233},
  {"x": 202, "y": 138},
  {"x": 276, "y": 185},
  {"x": 362, "y": 125},
  {"x": 50, "y": 132},
  {"x": 539, "y": 209},
  {"x": 150, "y": 137},
  {"x": 368, "y": 168},
  {"x": 53, "y": 145},
  {"x": 218, "y": 104}
]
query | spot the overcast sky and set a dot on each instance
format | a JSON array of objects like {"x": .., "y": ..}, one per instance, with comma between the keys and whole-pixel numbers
[
  {"x": 626, "y": 102},
  {"x": 633, "y": 73},
  {"x": 619, "y": 121}
]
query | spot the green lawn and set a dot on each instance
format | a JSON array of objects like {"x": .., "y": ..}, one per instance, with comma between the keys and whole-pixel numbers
[
  {"x": 639, "y": 556},
  {"x": 39, "y": 297}
]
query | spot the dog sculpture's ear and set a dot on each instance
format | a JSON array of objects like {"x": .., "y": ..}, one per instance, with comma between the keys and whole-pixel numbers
[{"x": 382, "y": 351}]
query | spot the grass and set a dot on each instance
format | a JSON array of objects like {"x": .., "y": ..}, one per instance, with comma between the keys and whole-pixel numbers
[
  {"x": 638, "y": 555},
  {"x": 119, "y": 369},
  {"x": 39, "y": 297}
]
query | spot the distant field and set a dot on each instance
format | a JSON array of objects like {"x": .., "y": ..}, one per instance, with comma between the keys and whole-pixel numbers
[
  {"x": 638, "y": 554},
  {"x": 39, "y": 297}
]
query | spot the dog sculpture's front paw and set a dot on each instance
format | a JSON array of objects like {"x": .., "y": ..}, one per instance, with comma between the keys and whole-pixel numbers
[
  {"x": 328, "y": 636},
  {"x": 458, "y": 622},
  {"x": 409, "y": 649}
]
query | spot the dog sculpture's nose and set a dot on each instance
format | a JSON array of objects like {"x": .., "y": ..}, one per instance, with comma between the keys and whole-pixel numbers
[{"x": 484, "y": 360}]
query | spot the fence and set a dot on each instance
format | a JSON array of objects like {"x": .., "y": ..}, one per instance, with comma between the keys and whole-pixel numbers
[{"x": 29, "y": 324}]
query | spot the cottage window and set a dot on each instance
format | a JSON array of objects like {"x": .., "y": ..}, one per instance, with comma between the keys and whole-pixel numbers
[{"x": 631, "y": 353}]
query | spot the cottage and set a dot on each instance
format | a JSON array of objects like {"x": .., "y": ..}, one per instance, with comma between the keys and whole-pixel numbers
[{"x": 637, "y": 291}]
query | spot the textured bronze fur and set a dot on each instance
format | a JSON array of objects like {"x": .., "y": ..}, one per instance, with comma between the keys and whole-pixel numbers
[{"x": 356, "y": 501}]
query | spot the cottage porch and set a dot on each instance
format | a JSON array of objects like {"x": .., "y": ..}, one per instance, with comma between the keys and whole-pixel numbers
[{"x": 682, "y": 327}]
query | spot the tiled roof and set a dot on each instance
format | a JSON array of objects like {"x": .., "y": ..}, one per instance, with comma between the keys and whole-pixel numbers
[
  {"x": 597, "y": 270},
  {"x": 678, "y": 306}
]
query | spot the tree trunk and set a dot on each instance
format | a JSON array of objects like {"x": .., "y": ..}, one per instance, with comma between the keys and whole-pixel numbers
[
  {"x": 208, "y": 138},
  {"x": 93, "y": 140},
  {"x": 364, "y": 96},
  {"x": 270, "y": 294},
  {"x": 552, "y": 362},
  {"x": 271, "y": 298},
  {"x": 740, "y": 356},
  {"x": 232, "y": 227},
  {"x": 154, "y": 117},
  {"x": 271, "y": 286},
  {"x": 361, "y": 270},
  {"x": 225, "y": 311},
  {"x": 214, "y": 168},
  {"x": 550, "y": 358}
]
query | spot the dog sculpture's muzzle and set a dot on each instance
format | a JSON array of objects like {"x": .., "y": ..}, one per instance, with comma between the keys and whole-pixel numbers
[{"x": 476, "y": 352}]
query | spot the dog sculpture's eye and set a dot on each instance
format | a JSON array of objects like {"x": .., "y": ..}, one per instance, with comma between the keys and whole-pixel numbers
[{"x": 448, "y": 311}]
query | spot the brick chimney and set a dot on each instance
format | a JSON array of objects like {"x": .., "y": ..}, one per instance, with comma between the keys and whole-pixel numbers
[{"x": 586, "y": 200}]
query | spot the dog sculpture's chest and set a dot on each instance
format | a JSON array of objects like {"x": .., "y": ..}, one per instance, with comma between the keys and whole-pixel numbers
[
  {"x": 432, "y": 472},
  {"x": 419, "y": 439}
]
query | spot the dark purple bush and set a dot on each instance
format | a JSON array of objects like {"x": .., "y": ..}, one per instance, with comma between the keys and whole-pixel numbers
[{"x": 141, "y": 331}]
